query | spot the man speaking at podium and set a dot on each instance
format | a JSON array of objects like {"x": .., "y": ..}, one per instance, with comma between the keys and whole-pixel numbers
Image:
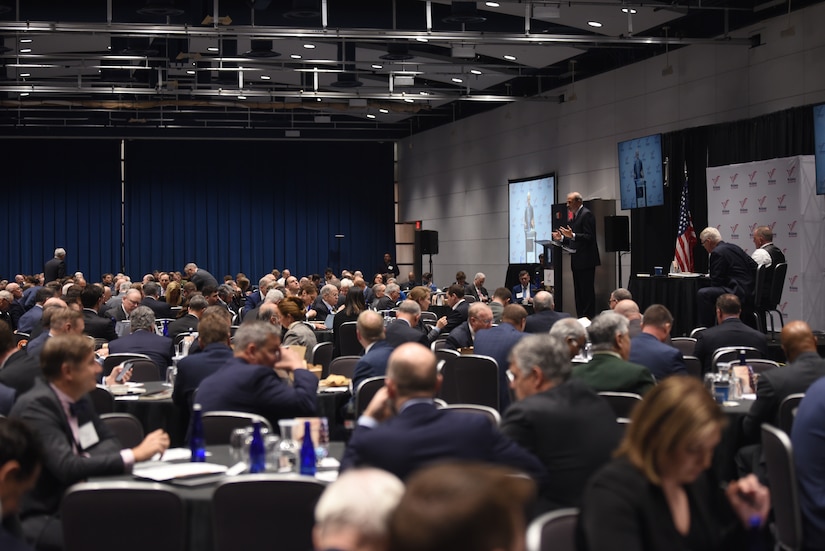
[{"x": 579, "y": 237}]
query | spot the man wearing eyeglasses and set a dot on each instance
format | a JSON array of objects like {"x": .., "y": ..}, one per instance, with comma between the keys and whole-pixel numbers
[{"x": 129, "y": 303}]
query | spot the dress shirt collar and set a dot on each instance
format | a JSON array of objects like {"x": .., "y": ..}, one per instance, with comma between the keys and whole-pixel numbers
[
  {"x": 65, "y": 401},
  {"x": 415, "y": 401},
  {"x": 330, "y": 307},
  {"x": 457, "y": 303}
]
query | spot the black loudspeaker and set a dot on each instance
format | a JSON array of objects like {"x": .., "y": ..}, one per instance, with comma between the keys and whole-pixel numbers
[
  {"x": 616, "y": 234},
  {"x": 429, "y": 242}
]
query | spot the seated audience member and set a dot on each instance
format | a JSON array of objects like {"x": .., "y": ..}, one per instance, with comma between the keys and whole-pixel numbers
[
  {"x": 423, "y": 296},
  {"x": 609, "y": 370},
  {"x": 188, "y": 323},
  {"x": 404, "y": 328},
  {"x": 30, "y": 320},
  {"x": 215, "y": 352},
  {"x": 21, "y": 457},
  {"x": 497, "y": 342},
  {"x": 58, "y": 319},
  {"x": 658, "y": 493},
  {"x": 458, "y": 308},
  {"x": 380, "y": 300},
  {"x": 266, "y": 283},
  {"x": 152, "y": 300},
  {"x": 248, "y": 381},
  {"x": 630, "y": 310},
  {"x": 403, "y": 430},
  {"x": 371, "y": 334},
  {"x": 308, "y": 294},
  {"x": 174, "y": 296},
  {"x": 427, "y": 281},
  {"x": 346, "y": 524},
  {"x": 271, "y": 300},
  {"x": 410, "y": 283},
  {"x": 353, "y": 306},
  {"x": 524, "y": 292},
  {"x": 76, "y": 442},
  {"x": 649, "y": 348},
  {"x": 144, "y": 340},
  {"x": 131, "y": 300},
  {"x": 292, "y": 317},
  {"x": 479, "y": 318},
  {"x": 326, "y": 303},
  {"x": 96, "y": 325},
  {"x": 571, "y": 332},
  {"x": 545, "y": 314},
  {"x": 570, "y": 428},
  {"x": 500, "y": 299},
  {"x": 462, "y": 506},
  {"x": 728, "y": 331},
  {"x": 477, "y": 289},
  {"x": 617, "y": 296},
  {"x": 808, "y": 441}
]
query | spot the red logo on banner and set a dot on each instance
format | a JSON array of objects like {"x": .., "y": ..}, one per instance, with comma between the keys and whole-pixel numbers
[{"x": 771, "y": 173}]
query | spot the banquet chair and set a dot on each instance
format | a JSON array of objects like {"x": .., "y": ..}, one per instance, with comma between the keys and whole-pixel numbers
[
  {"x": 252, "y": 510},
  {"x": 766, "y": 311},
  {"x": 787, "y": 411},
  {"x": 438, "y": 344},
  {"x": 760, "y": 365},
  {"x": 469, "y": 379},
  {"x": 429, "y": 317},
  {"x": 218, "y": 425},
  {"x": 365, "y": 392},
  {"x": 125, "y": 426},
  {"x": 446, "y": 353},
  {"x": 93, "y": 516},
  {"x": 144, "y": 371},
  {"x": 493, "y": 415},
  {"x": 685, "y": 345},
  {"x": 322, "y": 355},
  {"x": 553, "y": 531},
  {"x": 621, "y": 402},
  {"x": 693, "y": 365},
  {"x": 757, "y": 300},
  {"x": 731, "y": 353},
  {"x": 112, "y": 360},
  {"x": 787, "y": 518},
  {"x": 348, "y": 340},
  {"x": 343, "y": 365},
  {"x": 102, "y": 400},
  {"x": 696, "y": 331}
]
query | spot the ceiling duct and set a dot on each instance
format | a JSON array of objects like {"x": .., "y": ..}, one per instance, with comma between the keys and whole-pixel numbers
[
  {"x": 349, "y": 78},
  {"x": 397, "y": 51},
  {"x": 304, "y": 9},
  {"x": 261, "y": 49},
  {"x": 464, "y": 12},
  {"x": 165, "y": 8}
]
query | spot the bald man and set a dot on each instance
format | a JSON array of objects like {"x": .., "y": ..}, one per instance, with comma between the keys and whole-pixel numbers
[{"x": 629, "y": 309}]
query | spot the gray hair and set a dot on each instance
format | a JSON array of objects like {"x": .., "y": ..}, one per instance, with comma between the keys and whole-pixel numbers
[
  {"x": 410, "y": 307},
  {"x": 150, "y": 288},
  {"x": 604, "y": 329},
  {"x": 710, "y": 234},
  {"x": 198, "y": 303},
  {"x": 392, "y": 288},
  {"x": 543, "y": 301},
  {"x": 142, "y": 317},
  {"x": 274, "y": 296},
  {"x": 257, "y": 332},
  {"x": 346, "y": 283},
  {"x": 547, "y": 352},
  {"x": 59, "y": 252},
  {"x": 567, "y": 328},
  {"x": 479, "y": 275},
  {"x": 328, "y": 289}
]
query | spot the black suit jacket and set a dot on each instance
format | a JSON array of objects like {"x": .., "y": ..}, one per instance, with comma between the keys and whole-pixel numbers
[
  {"x": 572, "y": 430},
  {"x": 54, "y": 269},
  {"x": 587, "y": 251},
  {"x": 41, "y": 408},
  {"x": 21, "y": 371},
  {"x": 98, "y": 326},
  {"x": 399, "y": 331},
  {"x": 201, "y": 278},
  {"x": 733, "y": 270},
  {"x": 474, "y": 292},
  {"x": 184, "y": 324},
  {"x": 541, "y": 322},
  {"x": 456, "y": 316},
  {"x": 731, "y": 332},
  {"x": 194, "y": 368},
  {"x": 157, "y": 347},
  {"x": 161, "y": 308},
  {"x": 775, "y": 385},
  {"x": 460, "y": 337}
]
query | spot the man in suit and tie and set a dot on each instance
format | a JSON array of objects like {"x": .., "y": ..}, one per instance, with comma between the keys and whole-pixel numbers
[
  {"x": 55, "y": 269},
  {"x": 479, "y": 318},
  {"x": 214, "y": 351},
  {"x": 580, "y": 236},
  {"x": 188, "y": 323},
  {"x": 730, "y": 269},
  {"x": 498, "y": 341},
  {"x": 144, "y": 340},
  {"x": 404, "y": 328},
  {"x": 545, "y": 314},
  {"x": 77, "y": 444},
  {"x": 199, "y": 276},
  {"x": 458, "y": 307},
  {"x": 369, "y": 330},
  {"x": 524, "y": 292},
  {"x": 151, "y": 299},
  {"x": 729, "y": 331},
  {"x": 649, "y": 348},
  {"x": 96, "y": 326},
  {"x": 477, "y": 288},
  {"x": 266, "y": 283},
  {"x": 402, "y": 429}
]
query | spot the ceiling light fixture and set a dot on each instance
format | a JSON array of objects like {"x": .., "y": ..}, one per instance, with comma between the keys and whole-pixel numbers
[
  {"x": 457, "y": 80},
  {"x": 385, "y": 111},
  {"x": 190, "y": 72},
  {"x": 25, "y": 50},
  {"x": 422, "y": 39},
  {"x": 510, "y": 57},
  {"x": 409, "y": 100},
  {"x": 377, "y": 66},
  {"x": 595, "y": 24},
  {"x": 628, "y": 10},
  {"x": 475, "y": 71},
  {"x": 309, "y": 46},
  {"x": 24, "y": 75},
  {"x": 370, "y": 116},
  {"x": 295, "y": 56},
  {"x": 25, "y": 40},
  {"x": 241, "y": 97},
  {"x": 492, "y": 4},
  {"x": 266, "y": 77}
]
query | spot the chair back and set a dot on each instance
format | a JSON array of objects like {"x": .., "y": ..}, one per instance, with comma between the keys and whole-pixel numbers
[
  {"x": 778, "y": 452},
  {"x": 470, "y": 379},
  {"x": 446, "y": 353},
  {"x": 102, "y": 400},
  {"x": 365, "y": 392},
  {"x": 759, "y": 286},
  {"x": 777, "y": 284},
  {"x": 348, "y": 344},
  {"x": 93, "y": 516},
  {"x": 260, "y": 508},
  {"x": 693, "y": 365},
  {"x": 760, "y": 365},
  {"x": 429, "y": 317},
  {"x": 218, "y": 425},
  {"x": 787, "y": 411},
  {"x": 621, "y": 402},
  {"x": 112, "y": 360},
  {"x": 438, "y": 344},
  {"x": 553, "y": 531},
  {"x": 685, "y": 345},
  {"x": 492, "y": 414},
  {"x": 696, "y": 331},
  {"x": 144, "y": 371},
  {"x": 731, "y": 353},
  {"x": 322, "y": 355},
  {"x": 343, "y": 365},
  {"x": 126, "y": 427}
]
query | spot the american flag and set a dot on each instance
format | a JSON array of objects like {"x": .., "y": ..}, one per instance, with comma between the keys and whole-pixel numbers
[{"x": 686, "y": 237}]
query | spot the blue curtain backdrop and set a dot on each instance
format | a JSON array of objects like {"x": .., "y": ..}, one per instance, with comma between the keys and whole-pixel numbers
[{"x": 227, "y": 206}]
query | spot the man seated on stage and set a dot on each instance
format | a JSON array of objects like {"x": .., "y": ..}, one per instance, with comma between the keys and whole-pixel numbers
[
  {"x": 730, "y": 269},
  {"x": 477, "y": 288},
  {"x": 76, "y": 442},
  {"x": 524, "y": 292},
  {"x": 650, "y": 349},
  {"x": 729, "y": 331}
]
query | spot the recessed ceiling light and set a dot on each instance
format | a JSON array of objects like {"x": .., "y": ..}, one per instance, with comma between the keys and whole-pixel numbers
[
  {"x": 309, "y": 46},
  {"x": 377, "y": 66},
  {"x": 317, "y": 99},
  {"x": 266, "y": 77},
  {"x": 25, "y": 40},
  {"x": 594, "y": 24},
  {"x": 213, "y": 49},
  {"x": 422, "y": 39},
  {"x": 295, "y": 56},
  {"x": 384, "y": 110},
  {"x": 24, "y": 94},
  {"x": 492, "y": 4},
  {"x": 475, "y": 71},
  {"x": 457, "y": 80},
  {"x": 424, "y": 93},
  {"x": 190, "y": 72},
  {"x": 25, "y": 50},
  {"x": 409, "y": 100},
  {"x": 628, "y": 10},
  {"x": 24, "y": 75},
  {"x": 510, "y": 57},
  {"x": 370, "y": 116},
  {"x": 241, "y": 97}
]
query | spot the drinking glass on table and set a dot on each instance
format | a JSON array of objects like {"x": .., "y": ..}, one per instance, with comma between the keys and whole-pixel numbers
[
  {"x": 239, "y": 443},
  {"x": 171, "y": 374}
]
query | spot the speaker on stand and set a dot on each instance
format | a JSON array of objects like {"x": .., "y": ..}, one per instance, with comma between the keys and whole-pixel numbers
[
  {"x": 617, "y": 238},
  {"x": 428, "y": 244}
]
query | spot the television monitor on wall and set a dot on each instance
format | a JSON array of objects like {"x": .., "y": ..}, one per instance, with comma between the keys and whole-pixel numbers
[
  {"x": 819, "y": 148},
  {"x": 641, "y": 178},
  {"x": 530, "y": 217}
]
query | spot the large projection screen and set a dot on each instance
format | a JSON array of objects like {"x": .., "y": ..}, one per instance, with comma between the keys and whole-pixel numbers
[{"x": 531, "y": 222}]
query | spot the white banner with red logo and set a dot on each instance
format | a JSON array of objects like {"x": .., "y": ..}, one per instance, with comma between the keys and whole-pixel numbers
[{"x": 779, "y": 193}]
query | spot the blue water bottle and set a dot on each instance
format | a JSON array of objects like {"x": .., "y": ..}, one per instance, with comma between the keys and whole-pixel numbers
[
  {"x": 197, "y": 443},
  {"x": 307, "y": 452},
  {"x": 257, "y": 451}
]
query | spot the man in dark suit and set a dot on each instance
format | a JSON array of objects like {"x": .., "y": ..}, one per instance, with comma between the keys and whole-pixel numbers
[
  {"x": 570, "y": 428},
  {"x": 16, "y": 308},
  {"x": 766, "y": 254},
  {"x": 214, "y": 351},
  {"x": 477, "y": 289},
  {"x": 266, "y": 283},
  {"x": 479, "y": 318},
  {"x": 730, "y": 269},
  {"x": 249, "y": 381},
  {"x": 649, "y": 348},
  {"x": 404, "y": 327},
  {"x": 151, "y": 299},
  {"x": 55, "y": 269},
  {"x": 609, "y": 370},
  {"x": 370, "y": 333},
  {"x": 402, "y": 430},
  {"x": 381, "y": 301},
  {"x": 199, "y": 276},
  {"x": 76, "y": 442},
  {"x": 580, "y": 236},
  {"x": 729, "y": 331},
  {"x": 458, "y": 307},
  {"x": 545, "y": 314},
  {"x": 498, "y": 341},
  {"x": 188, "y": 323},
  {"x": 20, "y": 463},
  {"x": 131, "y": 300},
  {"x": 388, "y": 266},
  {"x": 144, "y": 340},
  {"x": 96, "y": 326},
  {"x": 326, "y": 303},
  {"x": 524, "y": 292}
]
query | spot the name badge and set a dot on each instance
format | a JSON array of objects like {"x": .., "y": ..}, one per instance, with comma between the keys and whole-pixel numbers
[
  {"x": 519, "y": 295},
  {"x": 88, "y": 436}
]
